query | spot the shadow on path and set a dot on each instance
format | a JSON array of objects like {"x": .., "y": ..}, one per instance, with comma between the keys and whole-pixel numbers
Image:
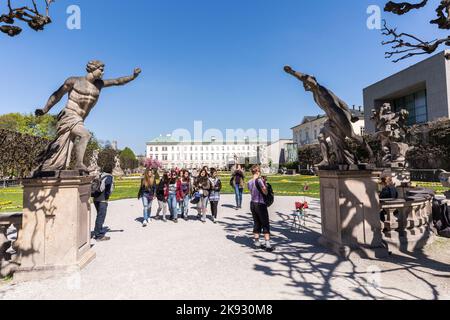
[{"x": 317, "y": 273}]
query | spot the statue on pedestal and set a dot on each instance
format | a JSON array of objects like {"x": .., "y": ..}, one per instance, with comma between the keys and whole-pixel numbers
[
  {"x": 338, "y": 128},
  {"x": 83, "y": 93},
  {"x": 118, "y": 172},
  {"x": 94, "y": 168},
  {"x": 392, "y": 131}
]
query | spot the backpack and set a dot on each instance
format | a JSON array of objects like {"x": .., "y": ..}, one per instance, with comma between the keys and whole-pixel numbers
[
  {"x": 98, "y": 186},
  {"x": 269, "y": 199}
]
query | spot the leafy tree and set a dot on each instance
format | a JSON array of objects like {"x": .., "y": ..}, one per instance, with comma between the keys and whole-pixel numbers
[
  {"x": 93, "y": 145},
  {"x": 406, "y": 45},
  {"x": 128, "y": 159},
  {"x": 309, "y": 156},
  {"x": 31, "y": 15},
  {"x": 106, "y": 158},
  {"x": 44, "y": 127}
]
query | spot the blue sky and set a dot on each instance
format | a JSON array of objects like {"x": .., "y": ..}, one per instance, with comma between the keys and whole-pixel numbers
[{"x": 219, "y": 61}]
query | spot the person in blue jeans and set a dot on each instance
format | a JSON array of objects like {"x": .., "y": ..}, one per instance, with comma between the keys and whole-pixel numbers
[
  {"x": 101, "y": 203},
  {"x": 147, "y": 193},
  {"x": 185, "y": 193},
  {"x": 237, "y": 183},
  {"x": 203, "y": 187},
  {"x": 172, "y": 200}
]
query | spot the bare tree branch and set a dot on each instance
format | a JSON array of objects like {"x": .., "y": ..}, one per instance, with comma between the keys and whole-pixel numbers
[
  {"x": 30, "y": 15},
  {"x": 400, "y": 45},
  {"x": 407, "y": 45},
  {"x": 403, "y": 7}
]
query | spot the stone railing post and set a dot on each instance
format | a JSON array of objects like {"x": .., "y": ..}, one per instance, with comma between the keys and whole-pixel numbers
[
  {"x": 5, "y": 244},
  {"x": 9, "y": 263}
]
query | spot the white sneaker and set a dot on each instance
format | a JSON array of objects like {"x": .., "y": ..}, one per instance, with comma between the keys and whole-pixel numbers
[{"x": 145, "y": 223}]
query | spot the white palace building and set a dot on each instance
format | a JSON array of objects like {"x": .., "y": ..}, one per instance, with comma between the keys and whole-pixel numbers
[{"x": 214, "y": 154}]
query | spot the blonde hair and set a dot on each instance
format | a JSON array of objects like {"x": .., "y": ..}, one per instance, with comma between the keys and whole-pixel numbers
[{"x": 149, "y": 180}]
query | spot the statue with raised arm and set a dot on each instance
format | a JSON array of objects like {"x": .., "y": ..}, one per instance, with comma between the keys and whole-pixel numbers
[
  {"x": 337, "y": 128},
  {"x": 83, "y": 94}
]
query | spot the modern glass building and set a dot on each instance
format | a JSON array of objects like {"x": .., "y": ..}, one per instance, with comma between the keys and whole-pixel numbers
[{"x": 423, "y": 89}]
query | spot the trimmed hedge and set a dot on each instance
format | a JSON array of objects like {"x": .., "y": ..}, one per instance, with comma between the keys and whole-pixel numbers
[{"x": 18, "y": 153}]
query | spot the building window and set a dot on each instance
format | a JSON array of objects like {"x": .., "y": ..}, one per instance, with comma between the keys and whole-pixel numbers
[
  {"x": 164, "y": 149},
  {"x": 416, "y": 104}
]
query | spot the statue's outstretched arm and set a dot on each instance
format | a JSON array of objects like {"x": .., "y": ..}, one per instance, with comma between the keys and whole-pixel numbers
[
  {"x": 56, "y": 97},
  {"x": 121, "y": 81},
  {"x": 300, "y": 76}
]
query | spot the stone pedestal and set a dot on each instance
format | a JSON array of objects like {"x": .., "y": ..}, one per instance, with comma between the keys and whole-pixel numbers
[
  {"x": 55, "y": 237},
  {"x": 351, "y": 213}
]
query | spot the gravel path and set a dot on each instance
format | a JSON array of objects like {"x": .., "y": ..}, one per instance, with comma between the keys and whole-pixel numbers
[{"x": 190, "y": 260}]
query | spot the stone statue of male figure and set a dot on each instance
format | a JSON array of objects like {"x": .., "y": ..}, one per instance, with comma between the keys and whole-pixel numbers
[
  {"x": 338, "y": 127},
  {"x": 83, "y": 94}
]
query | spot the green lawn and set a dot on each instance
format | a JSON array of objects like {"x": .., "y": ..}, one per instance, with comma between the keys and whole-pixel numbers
[{"x": 11, "y": 198}]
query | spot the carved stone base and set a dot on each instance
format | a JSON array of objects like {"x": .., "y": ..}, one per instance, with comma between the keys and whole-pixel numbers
[
  {"x": 24, "y": 274},
  {"x": 351, "y": 213},
  {"x": 56, "y": 233},
  {"x": 60, "y": 174},
  {"x": 118, "y": 172}
]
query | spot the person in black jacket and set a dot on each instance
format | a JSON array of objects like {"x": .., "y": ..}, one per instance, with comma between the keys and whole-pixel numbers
[
  {"x": 147, "y": 193},
  {"x": 237, "y": 183},
  {"x": 389, "y": 191},
  {"x": 101, "y": 202},
  {"x": 162, "y": 194},
  {"x": 214, "y": 196}
]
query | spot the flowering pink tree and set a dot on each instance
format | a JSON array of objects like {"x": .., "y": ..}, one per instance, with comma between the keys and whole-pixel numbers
[{"x": 152, "y": 164}]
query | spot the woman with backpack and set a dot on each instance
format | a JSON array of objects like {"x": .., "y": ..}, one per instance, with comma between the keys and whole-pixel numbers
[
  {"x": 147, "y": 193},
  {"x": 258, "y": 190},
  {"x": 203, "y": 187},
  {"x": 237, "y": 183},
  {"x": 162, "y": 194},
  {"x": 214, "y": 196}
]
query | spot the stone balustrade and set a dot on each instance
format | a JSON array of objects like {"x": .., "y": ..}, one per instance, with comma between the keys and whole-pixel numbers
[
  {"x": 9, "y": 262},
  {"x": 408, "y": 222}
]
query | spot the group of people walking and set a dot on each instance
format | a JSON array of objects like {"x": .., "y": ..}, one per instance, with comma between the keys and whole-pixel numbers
[{"x": 177, "y": 191}]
